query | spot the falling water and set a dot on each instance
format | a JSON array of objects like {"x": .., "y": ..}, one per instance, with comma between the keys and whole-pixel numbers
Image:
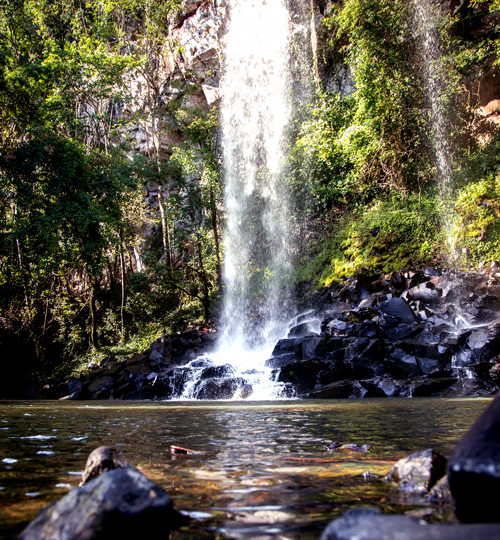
[
  {"x": 426, "y": 18},
  {"x": 255, "y": 111}
]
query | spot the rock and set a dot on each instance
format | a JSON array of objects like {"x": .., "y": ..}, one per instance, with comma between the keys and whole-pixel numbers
[
  {"x": 140, "y": 394},
  {"x": 281, "y": 360},
  {"x": 370, "y": 524},
  {"x": 288, "y": 346},
  {"x": 398, "y": 307},
  {"x": 440, "y": 494},
  {"x": 432, "y": 387},
  {"x": 388, "y": 388},
  {"x": 303, "y": 373},
  {"x": 400, "y": 365},
  {"x": 99, "y": 384},
  {"x": 474, "y": 469},
  {"x": 401, "y": 331},
  {"x": 336, "y": 390},
  {"x": 425, "y": 292},
  {"x": 100, "y": 460},
  {"x": 121, "y": 504},
  {"x": 217, "y": 372},
  {"x": 303, "y": 329},
  {"x": 418, "y": 472},
  {"x": 245, "y": 391},
  {"x": 217, "y": 388}
]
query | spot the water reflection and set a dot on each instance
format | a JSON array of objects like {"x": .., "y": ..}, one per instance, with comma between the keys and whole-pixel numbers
[{"x": 265, "y": 471}]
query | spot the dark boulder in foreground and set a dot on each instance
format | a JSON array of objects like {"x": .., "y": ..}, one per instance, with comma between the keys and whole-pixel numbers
[
  {"x": 121, "y": 504},
  {"x": 370, "y": 524},
  {"x": 474, "y": 469}
]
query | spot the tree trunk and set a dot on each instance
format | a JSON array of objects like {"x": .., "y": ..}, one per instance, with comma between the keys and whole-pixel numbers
[{"x": 164, "y": 226}]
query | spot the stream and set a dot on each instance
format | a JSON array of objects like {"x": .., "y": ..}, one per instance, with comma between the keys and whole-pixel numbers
[{"x": 265, "y": 472}]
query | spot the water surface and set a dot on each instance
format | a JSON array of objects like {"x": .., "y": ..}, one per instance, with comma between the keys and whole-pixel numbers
[{"x": 265, "y": 472}]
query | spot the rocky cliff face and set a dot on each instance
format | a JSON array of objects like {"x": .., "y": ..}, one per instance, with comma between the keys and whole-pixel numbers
[{"x": 187, "y": 75}]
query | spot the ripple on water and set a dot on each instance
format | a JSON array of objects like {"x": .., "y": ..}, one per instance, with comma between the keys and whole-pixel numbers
[{"x": 264, "y": 469}]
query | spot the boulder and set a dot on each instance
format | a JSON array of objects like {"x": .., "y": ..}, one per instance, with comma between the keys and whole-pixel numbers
[
  {"x": 218, "y": 388},
  {"x": 425, "y": 292},
  {"x": 303, "y": 373},
  {"x": 474, "y": 469},
  {"x": 288, "y": 346},
  {"x": 303, "y": 329},
  {"x": 418, "y": 472},
  {"x": 217, "y": 372},
  {"x": 432, "y": 387},
  {"x": 370, "y": 524},
  {"x": 336, "y": 390},
  {"x": 121, "y": 504},
  {"x": 398, "y": 307},
  {"x": 281, "y": 360}
]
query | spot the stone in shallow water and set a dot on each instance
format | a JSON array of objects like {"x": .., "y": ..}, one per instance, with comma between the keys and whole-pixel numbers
[
  {"x": 101, "y": 460},
  {"x": 370, "y": 524},
  {"x": 121, "y": 504},
  {"x": 418, "y": 472}
]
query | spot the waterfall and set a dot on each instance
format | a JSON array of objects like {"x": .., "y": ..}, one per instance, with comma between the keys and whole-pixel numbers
[
  {"x": 426, "y": 20},
  {"x": 255, "y": 112}
]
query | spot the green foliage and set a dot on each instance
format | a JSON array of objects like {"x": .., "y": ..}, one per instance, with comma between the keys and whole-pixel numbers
[
  {"x": 321, "y": 169},
  {"x": 476, "y": 227},
  {"x": 381, "y": 237},
  {"x": 383, "y": 138}
]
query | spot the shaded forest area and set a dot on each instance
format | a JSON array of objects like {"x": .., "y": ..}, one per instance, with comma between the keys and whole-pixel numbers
[{"x": 89, "y": 267}]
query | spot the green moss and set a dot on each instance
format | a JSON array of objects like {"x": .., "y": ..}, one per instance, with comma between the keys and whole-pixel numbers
[
  {"x": 385, "y": 236},
  {"x": 476, "y": 229}
]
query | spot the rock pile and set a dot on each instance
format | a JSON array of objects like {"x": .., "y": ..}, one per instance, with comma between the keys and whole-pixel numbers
[
  {"x": 152, "y": 374},
  {"x": 410, "y": 334},
  {"x": 415, "y": 334}
]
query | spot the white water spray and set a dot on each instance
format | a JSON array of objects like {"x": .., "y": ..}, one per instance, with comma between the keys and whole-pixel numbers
[
  {"x": 254, "y": 114},
  {"x": 426, "y": 20}
]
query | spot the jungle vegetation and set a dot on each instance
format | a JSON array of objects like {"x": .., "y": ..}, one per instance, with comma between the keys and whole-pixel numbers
[{"x": 89, "y": 268}]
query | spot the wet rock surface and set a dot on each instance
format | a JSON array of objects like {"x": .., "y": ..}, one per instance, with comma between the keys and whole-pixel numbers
[
  {"x": 370, "y": 524},
  {"x": 409, "y": 334},
  {"x": 418, "y": 472},
  {"x": 418, "y": 334},
  {"x": 101, "y": 460}
]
